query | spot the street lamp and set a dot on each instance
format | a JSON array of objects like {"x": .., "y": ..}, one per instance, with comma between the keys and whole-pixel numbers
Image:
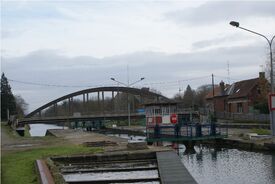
[
  {"x": 272, "y": 113},
  {"x": 128, "y": 103}
]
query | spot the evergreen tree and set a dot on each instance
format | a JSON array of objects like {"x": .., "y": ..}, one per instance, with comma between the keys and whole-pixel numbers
[
  {"x": 189, "y": 97},
  {"x": 7, "y": 99}
]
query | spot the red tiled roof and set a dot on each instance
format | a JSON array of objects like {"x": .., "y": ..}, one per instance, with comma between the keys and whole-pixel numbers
[
  {"x": 235, "y": 90},
  {"x": 242, "y": 88}
]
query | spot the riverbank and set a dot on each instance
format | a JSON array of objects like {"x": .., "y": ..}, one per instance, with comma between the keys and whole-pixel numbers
[{"x": 18, "y": 154}]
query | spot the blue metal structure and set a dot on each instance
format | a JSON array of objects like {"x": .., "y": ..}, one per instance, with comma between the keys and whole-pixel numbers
[{"x": 187, "y": 132}]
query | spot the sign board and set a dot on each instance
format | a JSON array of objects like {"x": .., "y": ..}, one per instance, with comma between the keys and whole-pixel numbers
[
  {"x": 174, "y": 118},
  {"x": 76, "y": 114},
  {"x": 141, "y": 111},
  {"x": 166, "y": 119},
  {"x": 272, "y": 102}
]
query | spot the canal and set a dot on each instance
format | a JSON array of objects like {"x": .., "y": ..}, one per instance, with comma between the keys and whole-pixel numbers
[
  {"x": 212, "y": 166},
  {"x": 227, "y": 166},
  {"x": 39, "y": 130}
]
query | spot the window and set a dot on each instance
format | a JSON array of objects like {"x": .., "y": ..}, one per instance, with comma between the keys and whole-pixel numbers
[
  {"x": 157, "y": 111},
  {"x": 239, "y": 107}
]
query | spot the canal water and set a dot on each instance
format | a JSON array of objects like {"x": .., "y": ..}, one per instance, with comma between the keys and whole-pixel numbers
[
  {"x": 227, "y": 166},
  {"x": 212, "y": 166},
  {"x": 39, "y": 130}
]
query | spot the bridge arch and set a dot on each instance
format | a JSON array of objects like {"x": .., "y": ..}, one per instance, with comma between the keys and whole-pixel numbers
[{"x": 129, "y": 90}]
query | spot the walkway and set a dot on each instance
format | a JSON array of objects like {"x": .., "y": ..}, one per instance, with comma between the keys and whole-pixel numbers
[{"x": 171, "y": 169}]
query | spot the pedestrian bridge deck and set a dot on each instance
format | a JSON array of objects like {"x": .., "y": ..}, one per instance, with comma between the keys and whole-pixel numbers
[
  {"x": 187, "y": 132},
  {"x": 171, "y": 169}
]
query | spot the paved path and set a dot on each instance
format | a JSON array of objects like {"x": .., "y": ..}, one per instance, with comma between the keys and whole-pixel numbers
[{"x": 171, "y": 169}]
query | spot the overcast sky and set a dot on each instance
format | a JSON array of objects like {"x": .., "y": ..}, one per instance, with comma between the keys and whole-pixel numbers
[{"x": 81, "y": 44}]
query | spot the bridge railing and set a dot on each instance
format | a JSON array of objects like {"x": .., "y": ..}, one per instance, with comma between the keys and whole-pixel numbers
[
  {"x": 188, "y": 131},
  {"x": 78, "y": 118}
]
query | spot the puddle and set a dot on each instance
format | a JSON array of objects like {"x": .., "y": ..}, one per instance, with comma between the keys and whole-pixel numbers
[
  {"x": 103, "y": 176},
  {"x": 20, "y": 145},
  {"x": 130, "y": 138},
  {"x": 153, "y": 182}
]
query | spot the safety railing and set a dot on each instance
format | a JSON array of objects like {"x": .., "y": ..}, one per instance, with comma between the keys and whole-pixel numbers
[{"x": 187, "y": 131}]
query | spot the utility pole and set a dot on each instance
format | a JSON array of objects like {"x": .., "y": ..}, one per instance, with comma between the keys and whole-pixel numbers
[
  {"x": 213, "y": 93},
  {"x": 269, "y": 41},
  {"x": 228, "y": 72},
  {"x": 214, "y": 101}
]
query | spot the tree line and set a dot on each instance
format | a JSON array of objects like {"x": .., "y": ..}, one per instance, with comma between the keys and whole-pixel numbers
[{"x": 193, "y": 98}]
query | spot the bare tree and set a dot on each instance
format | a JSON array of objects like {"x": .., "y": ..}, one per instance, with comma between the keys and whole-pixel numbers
[
  {"x": 21, "y": 106},
  {"x": 201, "y": 93},
  {"x": 267, "y": 67}
]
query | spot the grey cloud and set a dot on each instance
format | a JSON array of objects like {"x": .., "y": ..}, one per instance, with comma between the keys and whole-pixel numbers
[
  {"x": 51, "y": 68},
  {"x": 216, "y": 11},
  {"x": 218, "y": 41}
]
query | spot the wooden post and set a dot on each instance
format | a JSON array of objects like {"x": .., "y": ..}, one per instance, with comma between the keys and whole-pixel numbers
[
  {"x": 113, "y": 101},
  {"x": 98, "y": 101},
  {"x": 87, "y": 103},
  {"x": 103, "y": 108}
]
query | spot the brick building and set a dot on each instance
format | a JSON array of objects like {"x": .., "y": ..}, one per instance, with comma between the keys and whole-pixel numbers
[{"x": 239, "y": 97}]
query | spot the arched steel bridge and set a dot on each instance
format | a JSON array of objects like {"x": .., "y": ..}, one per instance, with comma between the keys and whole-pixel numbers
[{"x": 143, "y": 93}]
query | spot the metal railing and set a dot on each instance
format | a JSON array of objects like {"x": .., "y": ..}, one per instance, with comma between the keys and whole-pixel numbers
[{"x": 188, "y": 131}]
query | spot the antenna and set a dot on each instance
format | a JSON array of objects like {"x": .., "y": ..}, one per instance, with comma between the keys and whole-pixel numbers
[
  {"x": 228, "y": 72},
  {"x": 262, "y": 68},
  {"x": 128, "y": 75},
  {"x": 179, "y": 87}
]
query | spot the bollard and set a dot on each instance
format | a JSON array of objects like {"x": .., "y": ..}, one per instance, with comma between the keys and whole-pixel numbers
[
  {"x": 198, "y": 130},
  {"x": 213, "y": 129}
]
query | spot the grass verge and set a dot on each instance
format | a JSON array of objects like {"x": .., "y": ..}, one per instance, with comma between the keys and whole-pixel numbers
[
  {"x": 5, "y": 127},
  {"x": 250, "y": 122},
  {"x": 261, "y": 131},
  {"x": 19, "y": 167}
]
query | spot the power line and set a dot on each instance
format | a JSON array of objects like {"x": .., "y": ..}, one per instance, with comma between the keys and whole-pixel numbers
[
  {"x": 50, "y": 85},
  {"x": 224, "y": 77},
  {"x": 87, "y": 86},
  {"x": 177, "y": 81},
  {"x": 165, "y": 83}
]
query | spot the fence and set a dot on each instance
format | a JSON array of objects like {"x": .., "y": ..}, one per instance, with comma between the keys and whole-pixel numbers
[
  {"x": 243, "y": 117},
  {"x": 237, "y": 116}
]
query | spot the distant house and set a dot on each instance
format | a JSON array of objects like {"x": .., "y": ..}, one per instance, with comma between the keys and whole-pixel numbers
[{"x": 239, "y": 97}]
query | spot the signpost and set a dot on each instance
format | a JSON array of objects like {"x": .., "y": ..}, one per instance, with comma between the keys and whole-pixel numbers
[
  {"x": 272, "y": 102},
  {"x": 173, "y": 118}
]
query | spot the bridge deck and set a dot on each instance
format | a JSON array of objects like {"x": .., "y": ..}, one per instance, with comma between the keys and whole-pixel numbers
[{"x": 171, "y": 169}]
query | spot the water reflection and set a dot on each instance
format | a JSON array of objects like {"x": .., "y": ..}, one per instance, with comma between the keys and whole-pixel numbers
[{"x": 227, "y": 166}]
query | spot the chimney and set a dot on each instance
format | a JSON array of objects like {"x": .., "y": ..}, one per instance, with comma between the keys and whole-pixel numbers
[
  {"x": 222, "y": 88},
  {"x": 261, "y": 75}
]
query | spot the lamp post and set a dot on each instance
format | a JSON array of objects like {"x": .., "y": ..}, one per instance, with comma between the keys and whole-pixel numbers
[
  {"x": 272, "y": 113},
  {"x": 128, "y": 103}
]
